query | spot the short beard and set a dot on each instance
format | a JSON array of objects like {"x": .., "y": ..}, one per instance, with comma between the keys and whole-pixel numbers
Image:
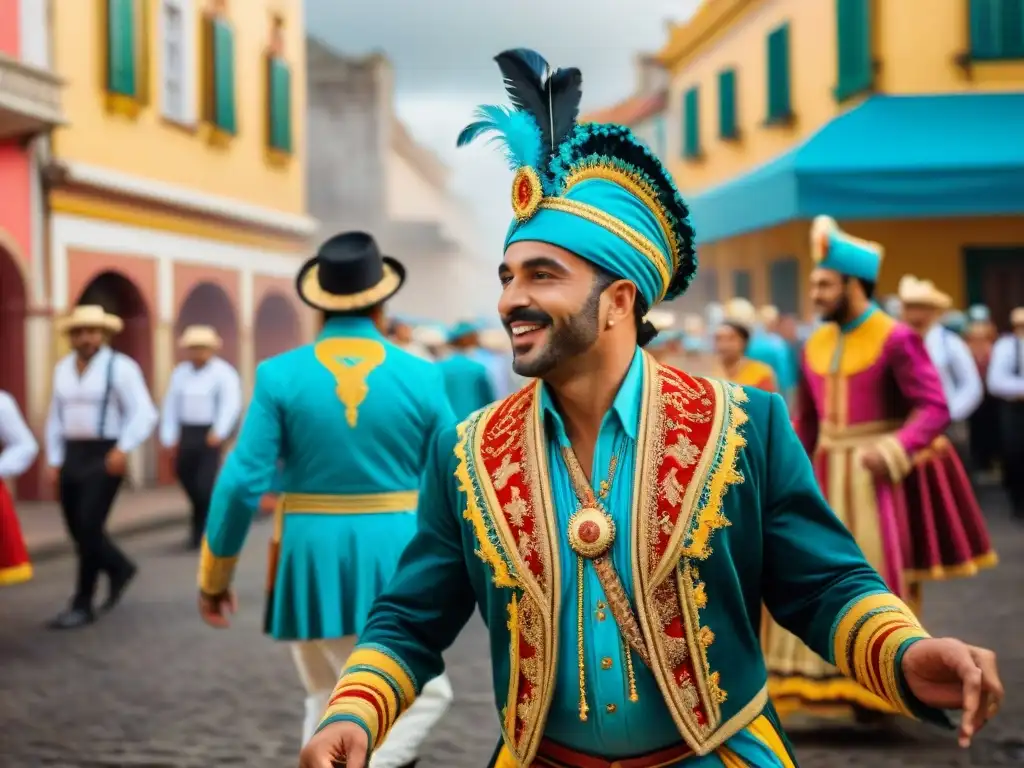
[
  {"x": 568, "y": 339},
  {"x": 841, "y": 311}
]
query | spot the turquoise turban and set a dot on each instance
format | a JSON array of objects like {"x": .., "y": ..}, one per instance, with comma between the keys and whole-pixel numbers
[
  {"x": 831, "y": 248},
  {"x": 462, "y": 328},
  {"x": 607, "y": 225}
]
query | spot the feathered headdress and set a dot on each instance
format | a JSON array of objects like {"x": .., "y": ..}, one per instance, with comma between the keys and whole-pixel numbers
[{"x": 592, "y": 188}]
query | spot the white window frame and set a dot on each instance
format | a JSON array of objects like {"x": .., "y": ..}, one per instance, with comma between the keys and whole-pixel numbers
[{"x": 189, "y": 65}]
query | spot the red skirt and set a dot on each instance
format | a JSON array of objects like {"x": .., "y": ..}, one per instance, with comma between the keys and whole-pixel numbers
[
  {"x": 14, "y": 563},
  {"x": 942, "y": 530}
]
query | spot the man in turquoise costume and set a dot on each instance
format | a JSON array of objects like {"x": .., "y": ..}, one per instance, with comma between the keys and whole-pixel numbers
[
  {"x": 346, "y": 422},
  {"x": 467, "y": 380},
  {"x": 618, "y": 523}
]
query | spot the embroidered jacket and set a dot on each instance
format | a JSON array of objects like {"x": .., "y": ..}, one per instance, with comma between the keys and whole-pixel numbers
[{"x": 726, "y": 516}]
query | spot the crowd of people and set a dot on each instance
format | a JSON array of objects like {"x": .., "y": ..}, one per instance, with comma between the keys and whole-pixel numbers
[{"x": 676, "y": 539}]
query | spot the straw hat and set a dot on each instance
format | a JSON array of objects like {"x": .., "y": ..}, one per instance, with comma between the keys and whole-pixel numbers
[
  {"x": 349, "y": 273},
  {"x": 203, "y": 336},
  {"x": 90, "y": 316},
  {"x": 660, "y": 319},
  {"x": 922, "y": 293},
  {"x": 740, "y": 312}
]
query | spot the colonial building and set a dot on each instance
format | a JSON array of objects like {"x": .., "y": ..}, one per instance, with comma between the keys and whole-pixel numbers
[
  {"x": 30, "y": 107},
  {"x": 644, "y": 112},
  {"x": 901, "y": 119},
  {"x": 370, "y": 173},
  {"x": 177, "y": 188}
]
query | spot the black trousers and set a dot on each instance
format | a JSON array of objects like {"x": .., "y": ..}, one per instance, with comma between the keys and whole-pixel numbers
[
  {"x": 1013, "y": 454},
  {"x": 985, "y": 439},
  {"x": 87, "y": 493},
  {"x": 197, "y": 467}
]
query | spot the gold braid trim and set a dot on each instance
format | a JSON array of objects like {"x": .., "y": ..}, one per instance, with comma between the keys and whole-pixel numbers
[
  {"x": 618, "y": 228},
  {"x": 636, "y": 186},
  {"x": 486, "y": 551},
  {"x": 215, "y": 572},
  {"x": 866, "y": 641}
]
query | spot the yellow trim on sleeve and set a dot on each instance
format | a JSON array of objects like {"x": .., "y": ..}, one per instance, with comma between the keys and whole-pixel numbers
[
  {"x": 368, "y": 657},
  {"x": 215, "y": 572}
]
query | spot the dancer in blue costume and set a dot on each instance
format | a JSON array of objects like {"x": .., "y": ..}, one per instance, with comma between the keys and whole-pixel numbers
[
  {"x": 619, "y": 523},
  {"x": 467, "y": 379},
  {"x": 350, "y": 418}
]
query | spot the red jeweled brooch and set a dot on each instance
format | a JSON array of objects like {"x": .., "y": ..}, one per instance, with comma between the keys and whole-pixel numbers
[
  {"x": 591, "y": 532},
  {"x": 526, "y": 193}
]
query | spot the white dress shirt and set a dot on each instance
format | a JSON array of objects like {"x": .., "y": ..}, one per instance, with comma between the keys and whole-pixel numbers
[
  {"x": 211, "y": 395},
  {"x": 77, "y": 403},
  {"x": 18, "y": 446},
  {"x": 957, "y": 370},
  {"x": 1006, "y": 368}
]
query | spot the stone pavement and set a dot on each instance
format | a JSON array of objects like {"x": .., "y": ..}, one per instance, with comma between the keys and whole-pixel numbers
[{"x": 152, "y": 686}]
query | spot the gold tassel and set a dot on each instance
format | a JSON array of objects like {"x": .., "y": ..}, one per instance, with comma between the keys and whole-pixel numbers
[
  {"x": 579, "y": 638},
  {"x": 633, "y": 695}
]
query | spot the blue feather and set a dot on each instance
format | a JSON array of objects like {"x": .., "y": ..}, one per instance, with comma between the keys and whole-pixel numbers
[{"x": 516, "y": 130}]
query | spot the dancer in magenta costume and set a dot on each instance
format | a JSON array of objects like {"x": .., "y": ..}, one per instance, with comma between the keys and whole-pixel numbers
[{"x": 872, "y": 414}]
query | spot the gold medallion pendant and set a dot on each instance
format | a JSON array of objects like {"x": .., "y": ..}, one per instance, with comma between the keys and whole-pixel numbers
[{"x": 591, "y": 532}]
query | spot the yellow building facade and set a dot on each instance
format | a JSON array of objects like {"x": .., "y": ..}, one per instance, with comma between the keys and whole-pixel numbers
[
  {"x": 896, "y": 118},
  {"x": 177, "y": 188}
]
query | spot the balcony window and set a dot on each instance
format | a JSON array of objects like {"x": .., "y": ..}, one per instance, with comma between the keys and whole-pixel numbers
[{"x": 177, "y": 41}]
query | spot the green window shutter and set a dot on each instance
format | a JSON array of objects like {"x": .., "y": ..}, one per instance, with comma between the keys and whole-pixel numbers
[
  {"x": 691, "y": 113},
  {"x": 224, "y": 77},
  {"x": 997, "y": 29},
  {"x": 727, "y": 128},
  {"x": 985, "y": 28},
  {"x": 280, "y": 105},
  {"x": 779, "y": 108},
  {"x": 854, "y": 65},
  {"x": 121, "y": 77}
]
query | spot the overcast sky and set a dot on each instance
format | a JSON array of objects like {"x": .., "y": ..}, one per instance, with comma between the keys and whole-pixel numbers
[{"x": 442, "y": 54}]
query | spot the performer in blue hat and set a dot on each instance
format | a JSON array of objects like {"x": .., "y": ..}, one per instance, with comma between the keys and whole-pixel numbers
[
  {"x": 466, "y": 379},
  {"x": 350, "y": 418},
  {"x": 618, "y": 522}
]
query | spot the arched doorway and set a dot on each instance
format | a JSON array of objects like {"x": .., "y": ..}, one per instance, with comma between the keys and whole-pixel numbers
[
  {"x": 208, "y": 304},
  {"x": 119, "y": 296},
  {"x": 13, "y": 306},
  {"x": 277, "y": 328}
]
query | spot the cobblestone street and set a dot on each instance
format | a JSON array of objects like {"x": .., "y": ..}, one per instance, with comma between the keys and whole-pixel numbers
[{"x": 152, "y": 686}]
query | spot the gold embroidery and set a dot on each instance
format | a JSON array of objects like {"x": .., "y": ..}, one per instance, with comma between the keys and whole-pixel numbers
[
  {"x": 516, "y": 509},
  {"x": 505, "y": 472},
  {"x": 351, "y": 361},
  {"x": 486, "y": 549},
  {"x": 513, "y": 655},
  {"x": 215, "y": 572},
  {"x": 683, "y": 451}
]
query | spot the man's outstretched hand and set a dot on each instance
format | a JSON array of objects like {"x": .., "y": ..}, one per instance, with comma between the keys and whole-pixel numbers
[
  {"x": 337, "y": 744},
  {"x": 948, "y": 674}
]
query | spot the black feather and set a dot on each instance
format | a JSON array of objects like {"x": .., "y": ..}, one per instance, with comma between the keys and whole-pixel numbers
[
  {"x": 525, "y": 74},
  {"x": 566, "y": 87}
]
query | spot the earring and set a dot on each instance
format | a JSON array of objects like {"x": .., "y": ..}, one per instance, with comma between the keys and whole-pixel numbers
[{"x": 611, "y": 323}]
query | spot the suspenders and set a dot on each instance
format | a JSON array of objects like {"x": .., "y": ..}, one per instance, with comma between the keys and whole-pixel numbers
[{"x": 106, "y": 394}]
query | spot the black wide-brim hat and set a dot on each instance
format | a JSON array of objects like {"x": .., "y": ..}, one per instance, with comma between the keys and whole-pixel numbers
[{"x": 349, "y": 273}]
